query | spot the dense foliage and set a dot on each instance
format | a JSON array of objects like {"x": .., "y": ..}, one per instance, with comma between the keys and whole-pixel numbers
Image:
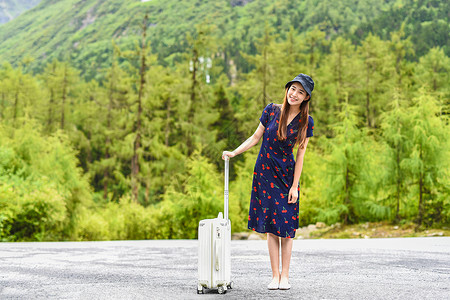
[
  {"x": 123, "y": 139},
  {"x": 81, "y": 31}
]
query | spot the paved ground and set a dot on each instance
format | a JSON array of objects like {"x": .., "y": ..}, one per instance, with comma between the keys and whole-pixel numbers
[{"x": 407, "y": 268}]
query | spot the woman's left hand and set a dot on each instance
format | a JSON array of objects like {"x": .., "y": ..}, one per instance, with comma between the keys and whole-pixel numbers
[{"x": 293, "y": 195}]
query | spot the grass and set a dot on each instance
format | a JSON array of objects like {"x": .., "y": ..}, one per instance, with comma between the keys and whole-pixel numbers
[{"x": 370, "y": 230}]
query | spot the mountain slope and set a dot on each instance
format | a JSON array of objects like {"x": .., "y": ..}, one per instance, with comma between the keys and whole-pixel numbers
[
  {"x": 82, "y": 30},
  {"x": 9, "y": 9}
]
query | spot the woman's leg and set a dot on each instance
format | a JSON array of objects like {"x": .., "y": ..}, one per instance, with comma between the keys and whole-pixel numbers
[
  {"x": 273, "y": 243},
  {"x": 286, "y": 251}
]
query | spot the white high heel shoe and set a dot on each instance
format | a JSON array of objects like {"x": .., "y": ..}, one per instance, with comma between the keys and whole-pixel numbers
[{"x": 273, "y": 285}]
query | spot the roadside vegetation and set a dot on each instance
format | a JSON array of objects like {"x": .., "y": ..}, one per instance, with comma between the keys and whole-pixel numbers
[{"x": 121, "y": 137}]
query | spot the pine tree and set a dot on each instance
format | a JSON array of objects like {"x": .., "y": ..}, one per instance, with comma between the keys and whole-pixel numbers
[
  {"x": 263, "y": 72},
  {"x": 344, "y": 168},
  {"x": 17, "y": 92},
  {"x": 162, "y": 155},
  {"x": 337, "y": 80},
  {"x": 226, "y": 125},
  {"x": 201, "y": 199},
  {"x": 262, "y": 84},
  {"x": 60, "y": 80},
  {"x": 49, "y": 79},
  {"x": 432, "y": 72},
  {"x": 138, "y": 64},
  {"x": 202, "y": 45},
  {"x": 375, "y": 75},
  {"x": 105, "y": 122},
  {"x": 315, "y": 41},
  {"x": 393, "y": 132},
  {"x": 401, "y": 48},
  {"x": 6, "y": 72},
  {"x": 428, "y": 161}
]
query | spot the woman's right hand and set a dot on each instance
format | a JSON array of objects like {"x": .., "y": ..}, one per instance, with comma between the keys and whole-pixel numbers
[{"x": 228, "y": 153}]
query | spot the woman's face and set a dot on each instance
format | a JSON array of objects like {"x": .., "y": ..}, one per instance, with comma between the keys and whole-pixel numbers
[{"x": 296, "y": 94}]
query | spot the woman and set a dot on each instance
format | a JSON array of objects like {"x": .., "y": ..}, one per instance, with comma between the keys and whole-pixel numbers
[{"x": 274, "y": 206}]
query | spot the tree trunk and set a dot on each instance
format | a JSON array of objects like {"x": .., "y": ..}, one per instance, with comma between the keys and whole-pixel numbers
[
  {"x": 347, "y": 196},
  {"x": 64, "y": 96},
  {"x": 16, "y": 100},
  {"x": 397, "y": 213},
  {"x": 147, "y": 191},
  {"x": 189, "y": 139},
  {"x": 420, "y": 216},
  {"x": 397, "y": 69},
  {"x": 338, "y": 70},
  {"x": 434, "y": 79},
  {"x": 16, "y": 103},
  {"x": 108, "y": 138},
  {"x": 311, "y": 54},
  {"x": 312, "y": 62},
  {"x": 137, "y": 141},
  {"x": 368, "y": 98},
  {"x": 2, "y": 103},
  {"x": 167, "y": 129},
  {"x": 264, "y": 70},
  {"x": 106, "y": 172},
  {"x": 50, "y": 110}
]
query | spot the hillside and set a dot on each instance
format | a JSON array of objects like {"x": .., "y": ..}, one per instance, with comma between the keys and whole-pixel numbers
[
  {"x": 9, "y": 9},
  {"x": 83, "y": 30},
  {"x": 111, "y": 129}
]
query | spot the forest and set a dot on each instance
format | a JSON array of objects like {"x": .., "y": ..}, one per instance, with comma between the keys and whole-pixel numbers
[{"x": 114, "y": 116}]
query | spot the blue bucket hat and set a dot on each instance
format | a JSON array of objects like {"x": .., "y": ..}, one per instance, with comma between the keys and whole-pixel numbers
[{"x": 305, "y": 81}]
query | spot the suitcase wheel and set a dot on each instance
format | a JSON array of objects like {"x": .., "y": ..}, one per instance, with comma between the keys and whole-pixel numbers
[
  {"x": 200, "y": 289},
  {"x": 222, "y": 289}
]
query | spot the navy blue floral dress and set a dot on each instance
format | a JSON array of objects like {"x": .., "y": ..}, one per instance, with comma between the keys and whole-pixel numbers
[{"x": 273, "y": 177}]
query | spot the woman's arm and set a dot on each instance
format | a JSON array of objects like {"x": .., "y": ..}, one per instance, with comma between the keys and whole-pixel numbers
[
  {"x": 293, "y": 192},
  {"x": 250, "y": 142}
]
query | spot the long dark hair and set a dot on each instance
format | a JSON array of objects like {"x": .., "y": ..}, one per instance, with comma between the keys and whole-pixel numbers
[{"x": 284, "y": 115}]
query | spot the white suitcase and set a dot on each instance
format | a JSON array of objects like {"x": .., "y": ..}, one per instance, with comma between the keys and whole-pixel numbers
[{"x": 214, "y": 249}]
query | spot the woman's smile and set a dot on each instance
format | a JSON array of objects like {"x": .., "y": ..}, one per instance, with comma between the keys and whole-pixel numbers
[{"x": 293, "y": 98}]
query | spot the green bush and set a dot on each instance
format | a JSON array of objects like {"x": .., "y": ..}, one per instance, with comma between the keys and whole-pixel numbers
[
  {"x": 31, "y": 213},
  {"x": 125, "y": 220},
  {"x": 41, "y": 187},
  {"x": 92, "y": 226}
]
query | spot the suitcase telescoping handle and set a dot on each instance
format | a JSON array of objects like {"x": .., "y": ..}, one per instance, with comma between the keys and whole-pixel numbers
[{"x": 225, "y": 193}]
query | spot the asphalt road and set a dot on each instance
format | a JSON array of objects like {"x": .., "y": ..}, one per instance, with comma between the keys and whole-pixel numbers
[{"x": 396, "y": 268}]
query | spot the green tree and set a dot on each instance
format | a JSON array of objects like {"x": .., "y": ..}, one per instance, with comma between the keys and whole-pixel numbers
[
  {"x": 42, "y": 189},
  {"x": 428, "y": 161},
  {"x": 229, "y": 133},
  {"x": 337, "y": 81},
  {"x": 261, "y": 75},
  {"x": 17, "y": 92},
  {"x": 393, "y": 133},
  {"x": 60, "y": 81},
  {"x": 140, "y": 61},
  {"x": 401, "y": 48},
  {"x": 344, "y": 168},
  {"x": 375, "y": 76},
  {"x": 201, "y": 45},
  {"x": 261, "y": 85},
  {"x": 432, "y": 72},
  {"x": 163, "y": 156},
  {"x": 200, "y": 198}
]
